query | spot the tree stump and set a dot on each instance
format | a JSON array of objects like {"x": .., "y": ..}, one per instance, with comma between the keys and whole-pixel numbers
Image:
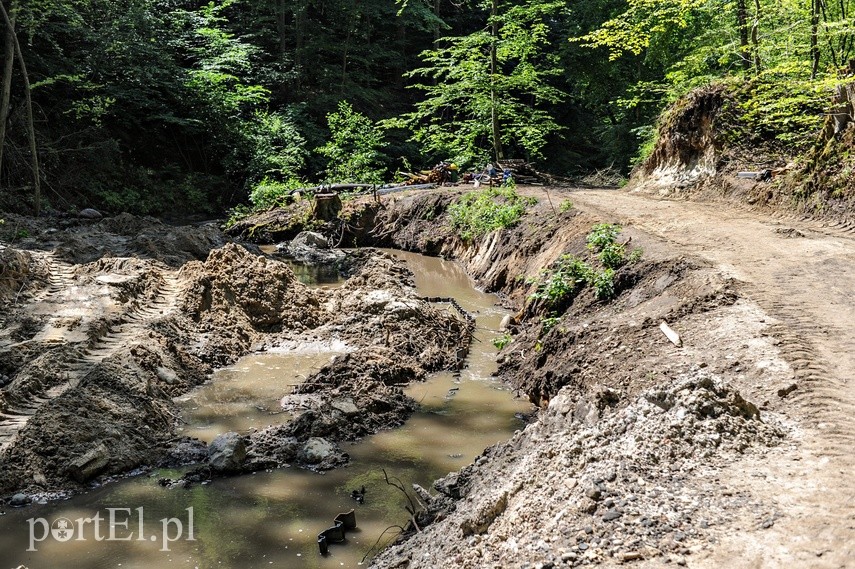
[{"x": 326, "y": 207}]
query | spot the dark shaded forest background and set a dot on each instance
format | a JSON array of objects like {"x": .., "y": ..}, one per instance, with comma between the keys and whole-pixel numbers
[{"x": 155, "y": 106}]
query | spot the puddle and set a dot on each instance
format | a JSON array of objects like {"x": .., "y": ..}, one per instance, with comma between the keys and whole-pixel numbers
[
  {"x": 246, "y": 395},
  {"x": 321, "y": 276},
  {"x": 271, "y": 519}
]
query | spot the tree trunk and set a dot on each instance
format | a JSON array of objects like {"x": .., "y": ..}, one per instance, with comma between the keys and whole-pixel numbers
[
  {"x": 8, "y": 64},
  {"x": 33, "y": 149},
  {"x": 814, "y": 29},
  {"x": 300, "y": 8},
  {"x": 282, "y": 28},
  {"x": 494, "y": 66},
  {"x": 742, "y": 24},
  {"x": 755, "y": 40},
  {"x": 437, "y": 29}
]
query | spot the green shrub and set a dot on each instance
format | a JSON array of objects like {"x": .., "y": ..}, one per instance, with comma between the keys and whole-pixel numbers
[
  {"x": 604, "y": 284},
  {"x": 269, "y": 193},
  {"x": 569, "y": 274},
  {"x": 564, "y": 282},
  {"x": 565, "y": 205},
  {"x": 601, "y": 235},
  {"x": 479, "y": 213},
  {"x": 548, "y": 324},
  {"x": 613, "y": 255},
  {"x": 501, "y": 341}
]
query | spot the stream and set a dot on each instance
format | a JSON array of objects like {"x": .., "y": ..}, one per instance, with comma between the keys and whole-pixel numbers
[{"x": 271, "y": 519}]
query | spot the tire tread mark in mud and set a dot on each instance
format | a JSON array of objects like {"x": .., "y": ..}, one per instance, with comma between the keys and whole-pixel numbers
[
  {"x": 18, "y": 414},
  {"x": 821, "y": 394}
]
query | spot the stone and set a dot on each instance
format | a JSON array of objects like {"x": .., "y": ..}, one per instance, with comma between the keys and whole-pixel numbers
[
  {"x": 594, "y": 493},
  {"x": 19, "y": 500},
  {"x": 317, "y": 449},
  {"x": 227, "y": 453},
  {"x": 310, "y": 239},
  {"x": 87, "y": 466},
  {"x": 90, "y": 213},
  {"x": 506, "y": 323},
  {"x": 346, "y": 406},
  {"x": 167, "y": 376},
  {"x": 612, "y": 514}
]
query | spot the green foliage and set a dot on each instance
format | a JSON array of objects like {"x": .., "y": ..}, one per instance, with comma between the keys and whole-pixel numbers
[
  {"x": 548, "y": 324},
  {"x": 604, "y": 284},
  {"x": 269, "y": 193},
  {"x": 633, "y": 31},
  {"x": 613, "y": 255},
  {"x": 602, "y": 235},
  {"x": 480, "y": 212},
  {"x": 564, "y": 281},
  {"x": 785, "y": 104},
  {"x": 462, "y": 92},
  {"x": 781, "y": 68},
  {"x": 560, "y": 284},
  {"x": 565, "y": 205},
  {"x": 354, "y": 149},
  {"x": 501, "y": 341},
  {"x": 277, "y": 147}
]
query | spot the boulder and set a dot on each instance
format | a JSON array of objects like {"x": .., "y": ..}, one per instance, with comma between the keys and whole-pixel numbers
[
  {"x": 227, "y": 453},
  {"x": 345, "y": 405},
  {"x": 167, "y": 376},
  {"x": 310, "y": 239},
  {"x": 89, "y": 213},
  {"x": 19, "y": 500},
  {"x": 317, "y": 450},
  {"x": 87, "y": 466}
]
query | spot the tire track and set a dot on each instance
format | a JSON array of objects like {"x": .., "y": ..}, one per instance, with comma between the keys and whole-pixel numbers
[{"x": 128, "y": 329}]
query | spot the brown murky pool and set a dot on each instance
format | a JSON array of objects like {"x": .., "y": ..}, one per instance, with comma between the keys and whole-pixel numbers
[{"x": 271, "y": 519}]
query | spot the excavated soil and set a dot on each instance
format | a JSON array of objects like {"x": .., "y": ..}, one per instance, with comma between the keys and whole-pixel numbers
[
  {"x": 632, "y": 456},
  {"x": 96, "y": 346},
  {"x": 730, "y": 446}
]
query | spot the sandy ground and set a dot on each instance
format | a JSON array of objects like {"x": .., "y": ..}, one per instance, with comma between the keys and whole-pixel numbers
[{"x": 801, "y": 273}]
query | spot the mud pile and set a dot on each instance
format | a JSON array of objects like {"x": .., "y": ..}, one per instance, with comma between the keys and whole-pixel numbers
[
  {"x": 81, "y": 241},
  {"x": 15, "y": 269},
  {"x": 575, "y": 488},
  {"x": 94, "y": 353}
]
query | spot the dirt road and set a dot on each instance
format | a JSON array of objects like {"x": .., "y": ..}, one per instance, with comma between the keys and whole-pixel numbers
[{"x": 802, "y": 273}]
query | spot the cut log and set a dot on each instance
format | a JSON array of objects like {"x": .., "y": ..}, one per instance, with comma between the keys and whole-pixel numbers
[{"x": 326, "y": 207}]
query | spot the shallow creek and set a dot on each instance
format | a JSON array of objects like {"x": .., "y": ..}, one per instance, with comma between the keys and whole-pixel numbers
[{"x": 271, "y": 519}]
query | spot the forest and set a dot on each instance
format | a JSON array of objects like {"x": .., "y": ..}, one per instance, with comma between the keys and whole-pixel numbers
[{"x": 182, "y": 106}]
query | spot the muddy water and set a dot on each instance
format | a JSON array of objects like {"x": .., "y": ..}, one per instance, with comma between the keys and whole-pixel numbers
[
  {"x": 323, "y": 276},
  {"x": 246, "y": 395},
  {"x": 271, "y": 519}
]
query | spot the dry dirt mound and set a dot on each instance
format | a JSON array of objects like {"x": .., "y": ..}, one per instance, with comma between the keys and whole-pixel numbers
[
  {"x": 630, "y": 485},
  {"x": 15, "y": 268}
]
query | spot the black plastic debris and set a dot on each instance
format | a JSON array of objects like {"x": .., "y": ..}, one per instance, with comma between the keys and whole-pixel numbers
[{"x": 336, "y": 534}]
